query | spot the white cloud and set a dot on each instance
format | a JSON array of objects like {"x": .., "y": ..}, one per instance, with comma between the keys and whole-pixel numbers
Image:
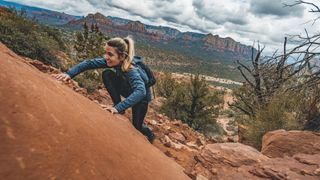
[{"x": 245, "y": 21}]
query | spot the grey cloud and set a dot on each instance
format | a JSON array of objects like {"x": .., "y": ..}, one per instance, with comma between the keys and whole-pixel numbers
[
  {"x": 159, "y": 8},
  {"x": 195, "y": 27},
  {"x": 198, "y": 4},
  {"x": 237, "y": 21},
  {"x": 275, "y": 8},
  {"x": 166, "y": 10},
  {"x": 98, "y": 3},
  {"x": 220, "y": 15},
  {"x": 170, "y": 19}
]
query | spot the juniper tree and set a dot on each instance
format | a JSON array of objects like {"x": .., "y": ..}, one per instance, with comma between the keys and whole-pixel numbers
[
  {"x": 89, "y": 44},
  {"x": 195, "y": 104}
]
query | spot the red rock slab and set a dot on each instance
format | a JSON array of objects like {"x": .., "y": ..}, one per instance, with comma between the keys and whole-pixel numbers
[
  {"x": 281, "y": 143},
  {"x": 47, "y": 131}
]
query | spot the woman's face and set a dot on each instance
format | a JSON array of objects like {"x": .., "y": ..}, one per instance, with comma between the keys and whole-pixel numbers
[{"x": 112, "y": 57}]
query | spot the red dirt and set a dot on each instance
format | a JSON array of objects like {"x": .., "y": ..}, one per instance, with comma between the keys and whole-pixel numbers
[{"x": 47, "y": 131}]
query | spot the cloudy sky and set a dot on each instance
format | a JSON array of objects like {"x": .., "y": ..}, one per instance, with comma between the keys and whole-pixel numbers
[{"x": 246, "y": 21}]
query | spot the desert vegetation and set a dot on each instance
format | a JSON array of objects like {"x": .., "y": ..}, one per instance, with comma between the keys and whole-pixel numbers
[
  {"x": 192, "y": 102},
  {"x": 29, "y": 38},
  {"x": 281, "y": 91}
]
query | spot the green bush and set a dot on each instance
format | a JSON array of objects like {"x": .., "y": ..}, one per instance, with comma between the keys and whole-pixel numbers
[
  {"x": 165, "y": 86},
  {"x": 90, "y": 80},
  {"x": 193, "y": 103},
  {"x": 280, "y": 113}
]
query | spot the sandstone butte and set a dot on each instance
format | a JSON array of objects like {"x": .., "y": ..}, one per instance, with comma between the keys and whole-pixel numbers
[{"x": 47, "y": 131}]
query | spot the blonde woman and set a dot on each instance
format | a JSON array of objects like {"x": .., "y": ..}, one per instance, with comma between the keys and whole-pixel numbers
[{"x": 125, "y": 79}]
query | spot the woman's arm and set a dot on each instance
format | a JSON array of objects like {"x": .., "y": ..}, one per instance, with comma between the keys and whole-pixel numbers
[
  {"x": 86, "y": 65},
  {"x": 139, "y": 91}
]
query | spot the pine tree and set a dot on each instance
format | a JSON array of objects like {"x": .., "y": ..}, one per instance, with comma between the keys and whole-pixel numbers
[
  {"x": 95, "y": 42},
  {"x": 81, "y": 44},
  {"x": 89, "y": 43}
]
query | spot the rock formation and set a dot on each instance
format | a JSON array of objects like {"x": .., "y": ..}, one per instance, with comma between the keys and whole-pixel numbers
[
  {"x": 47, "y": 131},
  {"x": 50, "y": 132},
  {"x": 238, "y": 161},
  {"x": 283, "y": 143}
]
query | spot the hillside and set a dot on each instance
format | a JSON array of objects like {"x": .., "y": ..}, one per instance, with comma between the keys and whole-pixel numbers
[
  {"x": 53, "y": 130},
  {"x": 164, "y": 35},
  {"x": 50, "y": 132},
  {"x": 167, "y": 49},
  {"x": 42, "y": 15}
]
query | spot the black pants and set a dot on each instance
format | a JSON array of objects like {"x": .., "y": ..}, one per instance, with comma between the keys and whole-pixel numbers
[{"x": 117, "y": 85}]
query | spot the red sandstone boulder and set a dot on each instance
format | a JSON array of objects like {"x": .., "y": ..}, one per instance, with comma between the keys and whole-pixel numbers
[
  {"x": 282, "y": 143},
  {"x": 47, "y": 131},
  {"x": 230, "y": 155},
  {"x": 300, "y": 166},
  {"x": 238, "y": 161},
  {"x": 177, "y": 137},
  {"x": 224, "y": 159}
]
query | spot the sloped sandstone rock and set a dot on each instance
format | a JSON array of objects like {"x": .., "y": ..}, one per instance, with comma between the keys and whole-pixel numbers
[
  {"x": 223, "y": 160},
  {"x": 300, "y": 166},
  {"x": 47, "y": 131},
  {"x": 237, "y": 161},
  {"x": 178, "y": 137},
  {"x": 282, "y": 143},
  {"x": 229, "y": 155}
]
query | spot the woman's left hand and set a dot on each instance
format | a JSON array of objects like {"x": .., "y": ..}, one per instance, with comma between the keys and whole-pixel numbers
[{"x": 112, "y": 109}]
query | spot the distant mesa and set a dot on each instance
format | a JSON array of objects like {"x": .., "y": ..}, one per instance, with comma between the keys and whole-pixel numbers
[
  {"x": 136, "y": 26},
  {"x": 158, "y": 33}
]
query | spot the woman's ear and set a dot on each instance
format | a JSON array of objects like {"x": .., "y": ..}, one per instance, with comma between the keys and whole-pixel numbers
[{"x": 122, "y": 57}]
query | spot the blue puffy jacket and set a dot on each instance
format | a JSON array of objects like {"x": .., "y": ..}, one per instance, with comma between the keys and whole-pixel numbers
[{"x": 136, "y": 77}]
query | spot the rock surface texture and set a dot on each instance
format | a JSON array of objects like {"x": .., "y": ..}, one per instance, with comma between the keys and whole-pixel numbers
[{"x": 47, "y": 131}]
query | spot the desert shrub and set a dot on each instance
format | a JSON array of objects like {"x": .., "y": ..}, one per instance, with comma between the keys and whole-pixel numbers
[
  {"x": 165, "y": 86},
  {"x": 193, "y": 103},
  {"x": 280, "y": 113}
]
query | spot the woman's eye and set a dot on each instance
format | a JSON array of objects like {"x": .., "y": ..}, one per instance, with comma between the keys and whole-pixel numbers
[{"x": 109, "y": 54}]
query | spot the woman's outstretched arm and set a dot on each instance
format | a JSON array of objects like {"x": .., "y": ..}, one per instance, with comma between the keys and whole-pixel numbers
[{"x": 86, "y": 65}]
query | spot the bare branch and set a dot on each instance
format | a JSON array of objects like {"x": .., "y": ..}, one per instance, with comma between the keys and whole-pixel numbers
[
  {"x": 244, "y": 66},
  {"x": 245, "y": 77},
  {"x": 316, "y": 10},
  {"x": 240, "y": 108}
]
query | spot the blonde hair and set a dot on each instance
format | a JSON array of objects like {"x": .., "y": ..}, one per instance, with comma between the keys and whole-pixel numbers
[{"x": 123, "y": 46}]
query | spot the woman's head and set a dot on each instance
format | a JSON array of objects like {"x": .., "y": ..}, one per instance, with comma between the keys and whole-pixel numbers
[{"x": 120, "y": 51}]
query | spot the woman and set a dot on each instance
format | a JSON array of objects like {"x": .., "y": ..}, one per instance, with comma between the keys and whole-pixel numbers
[{"x": 123, "y": 79}]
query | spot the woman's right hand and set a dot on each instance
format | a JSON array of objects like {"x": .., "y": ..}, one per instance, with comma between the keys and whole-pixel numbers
[{"x": 62, "y": 77}]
